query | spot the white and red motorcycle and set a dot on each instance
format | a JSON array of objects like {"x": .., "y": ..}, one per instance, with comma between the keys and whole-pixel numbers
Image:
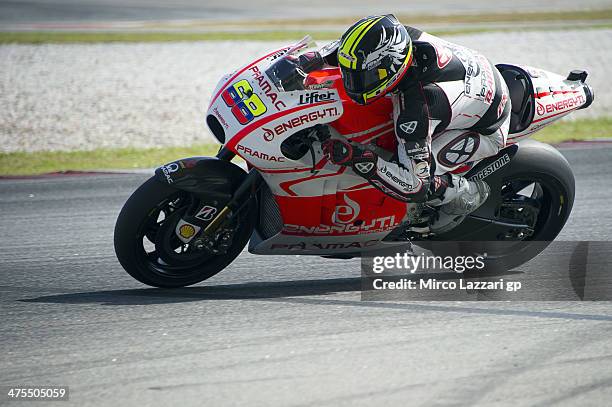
[{"x": 195, "y": 215}]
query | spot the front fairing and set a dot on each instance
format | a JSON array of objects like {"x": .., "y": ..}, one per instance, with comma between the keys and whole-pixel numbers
[{"x": 252, "y": 116}]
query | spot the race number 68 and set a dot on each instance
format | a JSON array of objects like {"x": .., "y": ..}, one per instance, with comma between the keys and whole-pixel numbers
[{"x": 245, "y": 104}]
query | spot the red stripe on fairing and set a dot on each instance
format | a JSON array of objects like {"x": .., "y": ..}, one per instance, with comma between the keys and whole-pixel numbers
[
  {"x": 318, "y": 166},
  {"x": 286, "y": 186},
  {"x": 510, "y": 137},
  {"x": 556, "y": 92},
  {"x": 359, "y": 186},
  {"x": 244, "y": 69},
  {"x": 470, "y": 116},
  {"x": 462, "y": 168},
  {"x": 248, "y": 129},
  {"x": 364, "y": 137}
]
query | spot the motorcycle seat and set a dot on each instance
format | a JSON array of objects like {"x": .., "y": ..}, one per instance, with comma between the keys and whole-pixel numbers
[{"x": 521, "y": 97}]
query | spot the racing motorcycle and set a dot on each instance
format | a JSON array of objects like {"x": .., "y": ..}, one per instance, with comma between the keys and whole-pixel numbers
[{"x": 195, "y": 215}]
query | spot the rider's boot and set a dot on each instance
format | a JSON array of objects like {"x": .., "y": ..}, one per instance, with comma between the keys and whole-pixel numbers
[{"x": 461, "y": 198}]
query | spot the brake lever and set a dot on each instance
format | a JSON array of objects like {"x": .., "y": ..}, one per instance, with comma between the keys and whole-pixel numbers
[{"x": 320, "y": 134}]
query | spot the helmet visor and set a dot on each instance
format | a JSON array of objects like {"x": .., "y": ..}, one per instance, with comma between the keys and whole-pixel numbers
[{"x": 363, "y": 81}]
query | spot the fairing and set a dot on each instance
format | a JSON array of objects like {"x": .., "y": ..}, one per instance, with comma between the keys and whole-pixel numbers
[{"x": 325, "y": 208}]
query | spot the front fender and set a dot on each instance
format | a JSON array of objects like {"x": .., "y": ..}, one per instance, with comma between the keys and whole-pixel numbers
[{"x": 202, "y": 174}]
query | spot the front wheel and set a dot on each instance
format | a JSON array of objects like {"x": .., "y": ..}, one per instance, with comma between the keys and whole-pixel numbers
[{"x": 149, "y": 250}]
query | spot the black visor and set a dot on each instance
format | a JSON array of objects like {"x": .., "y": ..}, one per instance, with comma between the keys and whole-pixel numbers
[{"x": 361, "y": 81}]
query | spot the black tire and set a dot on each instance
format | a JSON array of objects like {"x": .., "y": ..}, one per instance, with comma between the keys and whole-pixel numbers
[
  {"x": 135, "y": 223},
  {"x": 551, "y": 173}
]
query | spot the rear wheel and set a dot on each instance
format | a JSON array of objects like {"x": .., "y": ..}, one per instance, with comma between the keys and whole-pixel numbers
[
  {"x": 149, "y": 249},
  {"x": 530, "y": 202}
]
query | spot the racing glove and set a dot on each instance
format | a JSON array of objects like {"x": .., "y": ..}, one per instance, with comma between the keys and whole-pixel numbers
[{"x": 341, "y": 152}]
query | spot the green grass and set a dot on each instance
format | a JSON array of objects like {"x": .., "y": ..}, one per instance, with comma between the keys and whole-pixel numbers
[
  {"x": 60, "y": 37},
  {"x": 281, "y": 29},
  {"x": 69, "y": 37},
  {"x": 100, "y": 159},
  {"x": 413, "y": 19},
  {"x": 576, "y": 15},
  {"x": 576, "y": 130},
  {"x": 126, "y": 158}
]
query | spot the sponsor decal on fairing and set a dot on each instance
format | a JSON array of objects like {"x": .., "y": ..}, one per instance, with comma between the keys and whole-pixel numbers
[
  {"x": 220, "y": 118},
  {"x": 344, "y": 214},
  {"x": 491, "y": 168},
  {"x": 299, "y": 121},
  {"x": 302, "y": 246},
  {"x": 169, "y": 169},
  {"x": 278, "y": 54},
  {"x": 245, "y": 105},
  {"x": 344, "y": 220},
  {"x": 268, "y": 134},
  {"x": 258, "y": 154},
  {"x": 315, "y": 97},
  {"x": 322, "y": 85},
  {"x": 559, "y": 106},
  {"x": 206, "y": 213},
  {"x": 266, "y": 87}
]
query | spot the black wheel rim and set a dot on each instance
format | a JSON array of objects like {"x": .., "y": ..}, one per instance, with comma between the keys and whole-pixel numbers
[
  {"x": 525, "y": 199},
  {"x": 158, "y": 247}
]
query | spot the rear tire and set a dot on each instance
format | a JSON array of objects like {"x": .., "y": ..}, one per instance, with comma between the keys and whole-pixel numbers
[
  {"x": 554, "y": 189},
  {"x": 138, "y": 223}
]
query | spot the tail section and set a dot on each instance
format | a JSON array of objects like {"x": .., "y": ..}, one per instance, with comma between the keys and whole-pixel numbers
[{"x": 540, "y": 98}]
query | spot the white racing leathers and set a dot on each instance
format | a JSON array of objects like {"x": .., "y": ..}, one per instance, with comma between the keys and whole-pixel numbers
[{"x": 451, "y": 108}]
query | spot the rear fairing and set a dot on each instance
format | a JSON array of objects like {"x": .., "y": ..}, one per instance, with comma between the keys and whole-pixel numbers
[{"x": 553, "y": 96}]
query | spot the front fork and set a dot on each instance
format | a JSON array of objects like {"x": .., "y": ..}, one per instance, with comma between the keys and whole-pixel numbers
[
  {"x": 249, "y": 186},
  {"x": 240, "y": 198},
  {"x": 225, "y": 154}
]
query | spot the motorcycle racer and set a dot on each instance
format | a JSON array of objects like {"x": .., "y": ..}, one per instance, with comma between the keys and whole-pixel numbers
[
  {"x": 445, "y": 104},
  {"x": 450, "y": 106}
]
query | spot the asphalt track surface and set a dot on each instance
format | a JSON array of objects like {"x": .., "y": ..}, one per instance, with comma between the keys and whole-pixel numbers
[
  {"x": 44, "y": 11},
  {"x": 287, "y": 331}
]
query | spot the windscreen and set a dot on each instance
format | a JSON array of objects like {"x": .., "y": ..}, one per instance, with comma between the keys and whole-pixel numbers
[{"x": 289, "y": 71}]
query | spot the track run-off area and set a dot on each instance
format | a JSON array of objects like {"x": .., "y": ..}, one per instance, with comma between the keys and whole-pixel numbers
[{"x": 272, "y": 330}]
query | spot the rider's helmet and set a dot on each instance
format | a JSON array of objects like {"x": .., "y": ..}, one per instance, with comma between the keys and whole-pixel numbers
[{"x": 374, "y": 54}]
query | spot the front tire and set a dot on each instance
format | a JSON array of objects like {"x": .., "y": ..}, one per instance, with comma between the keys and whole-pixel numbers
[{"x": 149, "y": 251}]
